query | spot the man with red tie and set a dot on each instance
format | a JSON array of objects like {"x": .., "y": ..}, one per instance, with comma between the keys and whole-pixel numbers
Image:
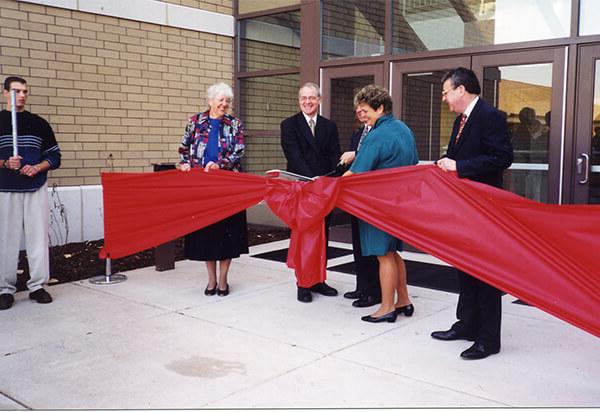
[{"x": 480, "y": 150}]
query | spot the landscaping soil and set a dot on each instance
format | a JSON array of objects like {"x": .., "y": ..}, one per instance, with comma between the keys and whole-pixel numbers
[{"x": 76, "y": 261}]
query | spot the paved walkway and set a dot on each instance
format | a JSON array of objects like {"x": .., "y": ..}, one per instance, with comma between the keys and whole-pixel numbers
[{"x": 155, "y": 341}]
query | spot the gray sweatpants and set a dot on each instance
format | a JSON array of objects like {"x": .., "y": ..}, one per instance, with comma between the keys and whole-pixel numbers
[{"x": 24, "y": 212}]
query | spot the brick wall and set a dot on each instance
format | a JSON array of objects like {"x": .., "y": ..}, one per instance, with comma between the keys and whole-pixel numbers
[{"x": 116, "y": 92}]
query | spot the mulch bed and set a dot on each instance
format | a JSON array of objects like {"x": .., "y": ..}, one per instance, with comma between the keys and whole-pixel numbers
[{"x": 76, "y": 261}]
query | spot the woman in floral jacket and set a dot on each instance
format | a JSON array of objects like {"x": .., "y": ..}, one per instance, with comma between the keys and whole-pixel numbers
[{"x": 215, "y": 140}]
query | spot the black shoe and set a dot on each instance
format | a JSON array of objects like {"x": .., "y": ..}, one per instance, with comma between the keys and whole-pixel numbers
[
  {"x": 355, "y": 294},
  {"x": 407, "y": 310},
  {"x": 210, "y": 292},
  {"x": 6, "y": 301},
  {"x": 365, "y": 302},
  {"x": 478, "y": 351},
  {"x": 223, "y": 292},
  {"x": 451, "y": 334},
  {"x": 388, "y": 317},
  {"x": 40, "y": 296},
  {"x": 324, "y": 289},
  {"x": 304, "y": 295}
]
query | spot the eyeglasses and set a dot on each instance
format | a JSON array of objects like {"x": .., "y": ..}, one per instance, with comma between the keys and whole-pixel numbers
[
  {"x": 311, "y": 98},
  {"x": 445, "y": 92}
]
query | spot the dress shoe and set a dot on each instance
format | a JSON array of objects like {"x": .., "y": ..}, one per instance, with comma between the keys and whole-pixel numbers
[
  {"x": 478, "y": 351},
  {"x": 365, "y": 301},
  {"x": 355, "y": 294},
  {"x": 210, "y": 292},
  {"x": 388, "y": 317},
  {"x": 224, "y": 292},
  {"x": 324, "y": 289},
  {"x": 40, "y": 296},
  {"x": 304, "y": 295},
  {"x": 451, "y": 334},
  {"x": 407, "y": 310},
  {"x": 6, "y": 301}
]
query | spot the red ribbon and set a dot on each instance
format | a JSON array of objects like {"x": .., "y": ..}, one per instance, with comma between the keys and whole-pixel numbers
[{"x": 542, "y": 254}]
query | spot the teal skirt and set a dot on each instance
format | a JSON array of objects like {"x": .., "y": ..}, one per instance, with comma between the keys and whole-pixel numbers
[{"x": 376, "y": 242}]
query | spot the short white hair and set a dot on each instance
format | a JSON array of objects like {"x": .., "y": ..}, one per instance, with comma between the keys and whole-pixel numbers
[
  {"x": 310, "y": 85},
  {"x": 219, "y": 89}
]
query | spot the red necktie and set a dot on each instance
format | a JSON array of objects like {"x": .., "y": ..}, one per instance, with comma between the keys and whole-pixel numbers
[{"x": 461, "y": 126}]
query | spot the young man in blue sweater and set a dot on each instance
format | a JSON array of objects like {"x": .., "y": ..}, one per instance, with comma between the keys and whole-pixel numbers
[{"x": 24, "y": 195}]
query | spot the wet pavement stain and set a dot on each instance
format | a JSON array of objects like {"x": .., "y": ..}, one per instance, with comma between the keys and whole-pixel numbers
[{"x": 198, "y": 367}]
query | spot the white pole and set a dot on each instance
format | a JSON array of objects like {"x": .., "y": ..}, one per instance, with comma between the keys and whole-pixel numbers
[{"x": 13, "y": 112}]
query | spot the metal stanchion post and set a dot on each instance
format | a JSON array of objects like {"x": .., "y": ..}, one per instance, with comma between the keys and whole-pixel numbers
[{"x": 109, "y": 278}]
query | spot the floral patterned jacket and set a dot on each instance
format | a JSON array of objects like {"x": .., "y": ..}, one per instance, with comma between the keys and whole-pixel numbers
[{"x": 231, "y": 142}]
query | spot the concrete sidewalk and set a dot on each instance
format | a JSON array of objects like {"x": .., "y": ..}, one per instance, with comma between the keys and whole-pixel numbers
[{"x": 155, "y": 341}]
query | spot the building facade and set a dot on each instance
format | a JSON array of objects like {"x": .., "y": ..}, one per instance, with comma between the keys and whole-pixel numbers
[
  {"x": 118, "y": 79},
  {"x": 537, "y": 62}
]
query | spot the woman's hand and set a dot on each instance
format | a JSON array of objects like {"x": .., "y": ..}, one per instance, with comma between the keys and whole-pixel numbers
[
  {"x": 210, "y": 166},
  {"x": 184, "y": 167},
  {"x": 347, "y": 157},
  {"x": 348, "y": 173}
]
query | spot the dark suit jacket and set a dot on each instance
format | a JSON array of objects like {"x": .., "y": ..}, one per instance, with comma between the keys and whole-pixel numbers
[
  {"x": 355, "y": 138},
  {"x": 484, "y": 149},
  {"x": 307, "y": 155}
]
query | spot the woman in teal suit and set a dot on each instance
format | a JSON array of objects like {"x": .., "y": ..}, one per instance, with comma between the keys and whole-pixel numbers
[{"x": 389, "y": 144}]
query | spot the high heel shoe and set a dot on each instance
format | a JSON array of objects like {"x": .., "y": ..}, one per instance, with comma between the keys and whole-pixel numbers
[
  {"x": 210, "y": 292},
  {"x": 408, "y": 310},
  {"x": 223, "y": 292},
  {"x": 388, "y": 317}
]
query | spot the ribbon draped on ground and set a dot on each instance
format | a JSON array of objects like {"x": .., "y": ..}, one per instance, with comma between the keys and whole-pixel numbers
[{"x": 542, "y": 254}]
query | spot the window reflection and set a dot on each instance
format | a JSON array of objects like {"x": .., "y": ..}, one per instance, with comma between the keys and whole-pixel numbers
[
  {"x": 252, "y": 6},
  {"x": 420, "y": 25},
  {"x": 595, "y": 142},
  {"x": 352, "y": 28},
  {"x": 264, "y": 103},
  {"x": 524, "y": 94},
  {"x": 425, "y": 113},
  {"x": 270, "y": 42}
]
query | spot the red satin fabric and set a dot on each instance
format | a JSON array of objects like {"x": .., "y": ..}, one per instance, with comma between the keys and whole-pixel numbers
[{"x": 542, "y": 254}]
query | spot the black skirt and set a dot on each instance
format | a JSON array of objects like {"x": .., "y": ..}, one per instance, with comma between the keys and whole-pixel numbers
[{"x": 226, "y": 239}]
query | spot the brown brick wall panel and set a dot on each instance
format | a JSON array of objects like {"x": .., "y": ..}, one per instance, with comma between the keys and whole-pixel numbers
[{"x": 101, "y": 80}]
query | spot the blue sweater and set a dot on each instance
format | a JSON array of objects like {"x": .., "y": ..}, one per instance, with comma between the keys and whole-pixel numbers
[{"x": 36, "y": 143}]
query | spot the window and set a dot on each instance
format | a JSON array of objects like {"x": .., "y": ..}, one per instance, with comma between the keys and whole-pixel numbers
[{"x": 420, "y": 25}]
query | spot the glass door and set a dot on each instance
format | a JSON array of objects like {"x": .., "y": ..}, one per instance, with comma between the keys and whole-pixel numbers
[
  {"x": 585, "y": 174},
  {"x": 529, "y": 88},
  {"x": 339, "y": 85},
  {"x": 417, "y": 97}
]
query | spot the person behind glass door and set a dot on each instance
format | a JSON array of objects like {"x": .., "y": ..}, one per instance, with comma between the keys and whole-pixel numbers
[
  {"x": 479, "y": 150},
  {"x": 214, "y": 139},
  {"x": 389, "y": 144},
  {"x": 367, "y": 291},
  {"x": 311, "y": 146}
]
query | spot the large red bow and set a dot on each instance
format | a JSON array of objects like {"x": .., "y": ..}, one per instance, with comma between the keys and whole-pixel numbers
[{"x": 542, "y": 254}]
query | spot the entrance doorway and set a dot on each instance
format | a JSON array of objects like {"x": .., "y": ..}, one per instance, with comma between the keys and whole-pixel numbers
[
  {"x": 526, "y": 86},
  {"x": 584, "y": 176}
]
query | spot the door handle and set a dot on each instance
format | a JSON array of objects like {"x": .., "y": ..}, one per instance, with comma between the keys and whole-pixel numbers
[{"x": 583, "y": 167}]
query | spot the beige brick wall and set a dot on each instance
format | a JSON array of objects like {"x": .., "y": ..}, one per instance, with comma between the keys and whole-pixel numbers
[{"x": 116, "y": 92}]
